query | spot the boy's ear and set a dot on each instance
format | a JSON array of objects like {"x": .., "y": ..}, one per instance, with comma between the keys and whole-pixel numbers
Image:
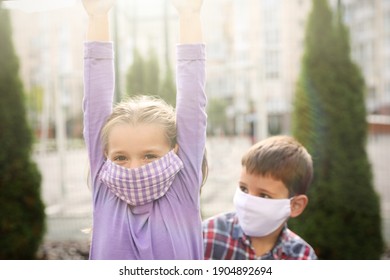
[{"x": 298, "y": 205}]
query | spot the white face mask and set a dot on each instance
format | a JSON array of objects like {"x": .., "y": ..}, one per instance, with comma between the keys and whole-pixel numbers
[
  {"x": 144, "y": 184},
  {"x": 260, "y": 216}
]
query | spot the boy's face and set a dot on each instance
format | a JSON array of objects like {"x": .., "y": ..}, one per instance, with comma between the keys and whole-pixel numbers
[{"x": 262, "y": 186}]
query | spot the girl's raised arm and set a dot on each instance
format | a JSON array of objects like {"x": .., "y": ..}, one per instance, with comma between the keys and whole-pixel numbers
[
  {"x": 191, "y": 99},
  {"x": 99, "y": 79}
]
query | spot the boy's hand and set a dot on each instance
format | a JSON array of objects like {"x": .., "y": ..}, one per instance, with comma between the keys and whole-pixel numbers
[
  {"x": 186, "y": 7},
  {"x": 98, "y": 7}
]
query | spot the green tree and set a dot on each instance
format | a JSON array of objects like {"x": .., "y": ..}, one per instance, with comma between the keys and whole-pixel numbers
[
  {"x": 342, "y": 220},
  {"x": 135, "y": 80},
  {"x": 35, "y": 106},
  {"x": 217, "y": 118},
  {"x": 168, "y": 88},
  {"x": 151, "y": 74},
  {"x": 143, "y": 77},
  {"x": 22, "y": 220}
]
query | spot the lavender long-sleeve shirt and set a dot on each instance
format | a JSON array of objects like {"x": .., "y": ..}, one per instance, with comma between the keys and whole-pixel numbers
[{"x": 170, "y": 227}]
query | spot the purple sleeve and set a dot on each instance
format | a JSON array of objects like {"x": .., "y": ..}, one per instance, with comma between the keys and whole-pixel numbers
[
  {"x": 191, "y": 114},
  {"x": 98, "y": 97}
]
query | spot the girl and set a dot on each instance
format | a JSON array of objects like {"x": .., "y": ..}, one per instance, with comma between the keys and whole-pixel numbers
[{"x": 146, "y": 159}]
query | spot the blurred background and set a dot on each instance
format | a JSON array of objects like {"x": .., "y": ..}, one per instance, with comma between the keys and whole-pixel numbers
[{"x": 254, "y": 54}]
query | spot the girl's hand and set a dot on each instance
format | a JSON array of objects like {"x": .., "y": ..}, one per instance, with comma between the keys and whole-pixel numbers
[
  {"x": 187, "y": 7},
  {"x": 190, "y": 31},
  {"x": 98, "y": 19},
  {"x": 98, "y": 7}
]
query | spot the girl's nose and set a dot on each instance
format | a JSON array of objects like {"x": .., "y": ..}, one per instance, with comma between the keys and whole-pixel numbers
[{"x": 131, "y": 164}]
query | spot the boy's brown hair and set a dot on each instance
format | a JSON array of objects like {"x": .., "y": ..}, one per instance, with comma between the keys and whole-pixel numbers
[{"x": 283, "y": 158}]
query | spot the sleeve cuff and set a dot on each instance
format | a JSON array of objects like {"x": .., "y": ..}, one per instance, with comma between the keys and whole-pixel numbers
[
  {"x": 191, "y": 52},
  {"x": 100, "y": 50}
]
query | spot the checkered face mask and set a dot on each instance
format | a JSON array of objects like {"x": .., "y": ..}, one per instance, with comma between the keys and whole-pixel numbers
[{"x": 138, "y": 186}]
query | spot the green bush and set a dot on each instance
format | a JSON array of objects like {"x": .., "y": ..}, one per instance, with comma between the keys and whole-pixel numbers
[
  {"x": 22, "y": 219},
  {"x": 342, "y": 220}
]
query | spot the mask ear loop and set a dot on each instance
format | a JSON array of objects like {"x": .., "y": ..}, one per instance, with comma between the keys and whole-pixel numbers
[
  {"x": 298, "y": 206},
  {"x": 291, "y": 198},
  {"x": 292, "y": 206}
]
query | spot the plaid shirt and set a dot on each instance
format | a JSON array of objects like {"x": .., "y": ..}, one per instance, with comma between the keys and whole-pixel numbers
[{"x": 225, "y": 240}]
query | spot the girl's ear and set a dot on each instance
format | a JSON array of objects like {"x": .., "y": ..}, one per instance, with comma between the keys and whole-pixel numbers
[
  {"x": 176, "y": 149},
  {"x": 298, "y": 205}
]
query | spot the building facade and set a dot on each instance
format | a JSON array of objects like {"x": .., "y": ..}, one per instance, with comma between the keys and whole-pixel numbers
[
  {"x": 369, "y": 25},
  {"x": 50, "y": 50}
]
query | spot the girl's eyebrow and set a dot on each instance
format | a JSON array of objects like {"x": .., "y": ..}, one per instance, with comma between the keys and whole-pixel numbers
[
  {"x": 153, "y": 150},
  {"x": 150, "y": 151},
  {"x": 117, "y": 152}
]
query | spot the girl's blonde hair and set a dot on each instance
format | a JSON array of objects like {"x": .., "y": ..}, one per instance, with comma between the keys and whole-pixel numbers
[{"x": 142, "y": 109}]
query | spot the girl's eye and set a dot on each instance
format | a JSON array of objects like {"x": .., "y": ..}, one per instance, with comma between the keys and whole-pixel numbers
[
  {"x": 243, "y": 189},
  {"x": 120, "y": 158},
  {"x": 150, "y": 157}
]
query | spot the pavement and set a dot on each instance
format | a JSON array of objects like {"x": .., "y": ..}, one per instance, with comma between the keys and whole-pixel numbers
[{"x": 67, "y": 196}]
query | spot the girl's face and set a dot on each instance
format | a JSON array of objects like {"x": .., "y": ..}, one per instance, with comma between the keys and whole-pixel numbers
[{"x": 132, "y": 146}]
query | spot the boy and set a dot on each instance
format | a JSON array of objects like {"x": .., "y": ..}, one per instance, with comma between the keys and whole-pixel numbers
[{"x": 276, "y": 173}]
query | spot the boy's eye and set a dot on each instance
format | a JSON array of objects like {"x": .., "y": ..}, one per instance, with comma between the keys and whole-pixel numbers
[{"x": 263, "y": 195}]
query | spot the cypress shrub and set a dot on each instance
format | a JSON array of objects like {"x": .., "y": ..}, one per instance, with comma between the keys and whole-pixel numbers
[
  {"x": 342, "y": 219},
  {"x": 22, "y": 220}
]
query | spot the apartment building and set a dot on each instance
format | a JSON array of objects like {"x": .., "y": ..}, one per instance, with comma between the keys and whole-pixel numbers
[
  {"x": 254, "y": 60},
  {"x": 369, "y": 24}
]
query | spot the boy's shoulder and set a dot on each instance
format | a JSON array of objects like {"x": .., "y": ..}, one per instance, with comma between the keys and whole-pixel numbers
[
  {"x": 221, "y": 223},
  {"x": 220, "y": 239},
  {"x": 294, "y": 246},
  {"x": 224, "y": 218}
]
